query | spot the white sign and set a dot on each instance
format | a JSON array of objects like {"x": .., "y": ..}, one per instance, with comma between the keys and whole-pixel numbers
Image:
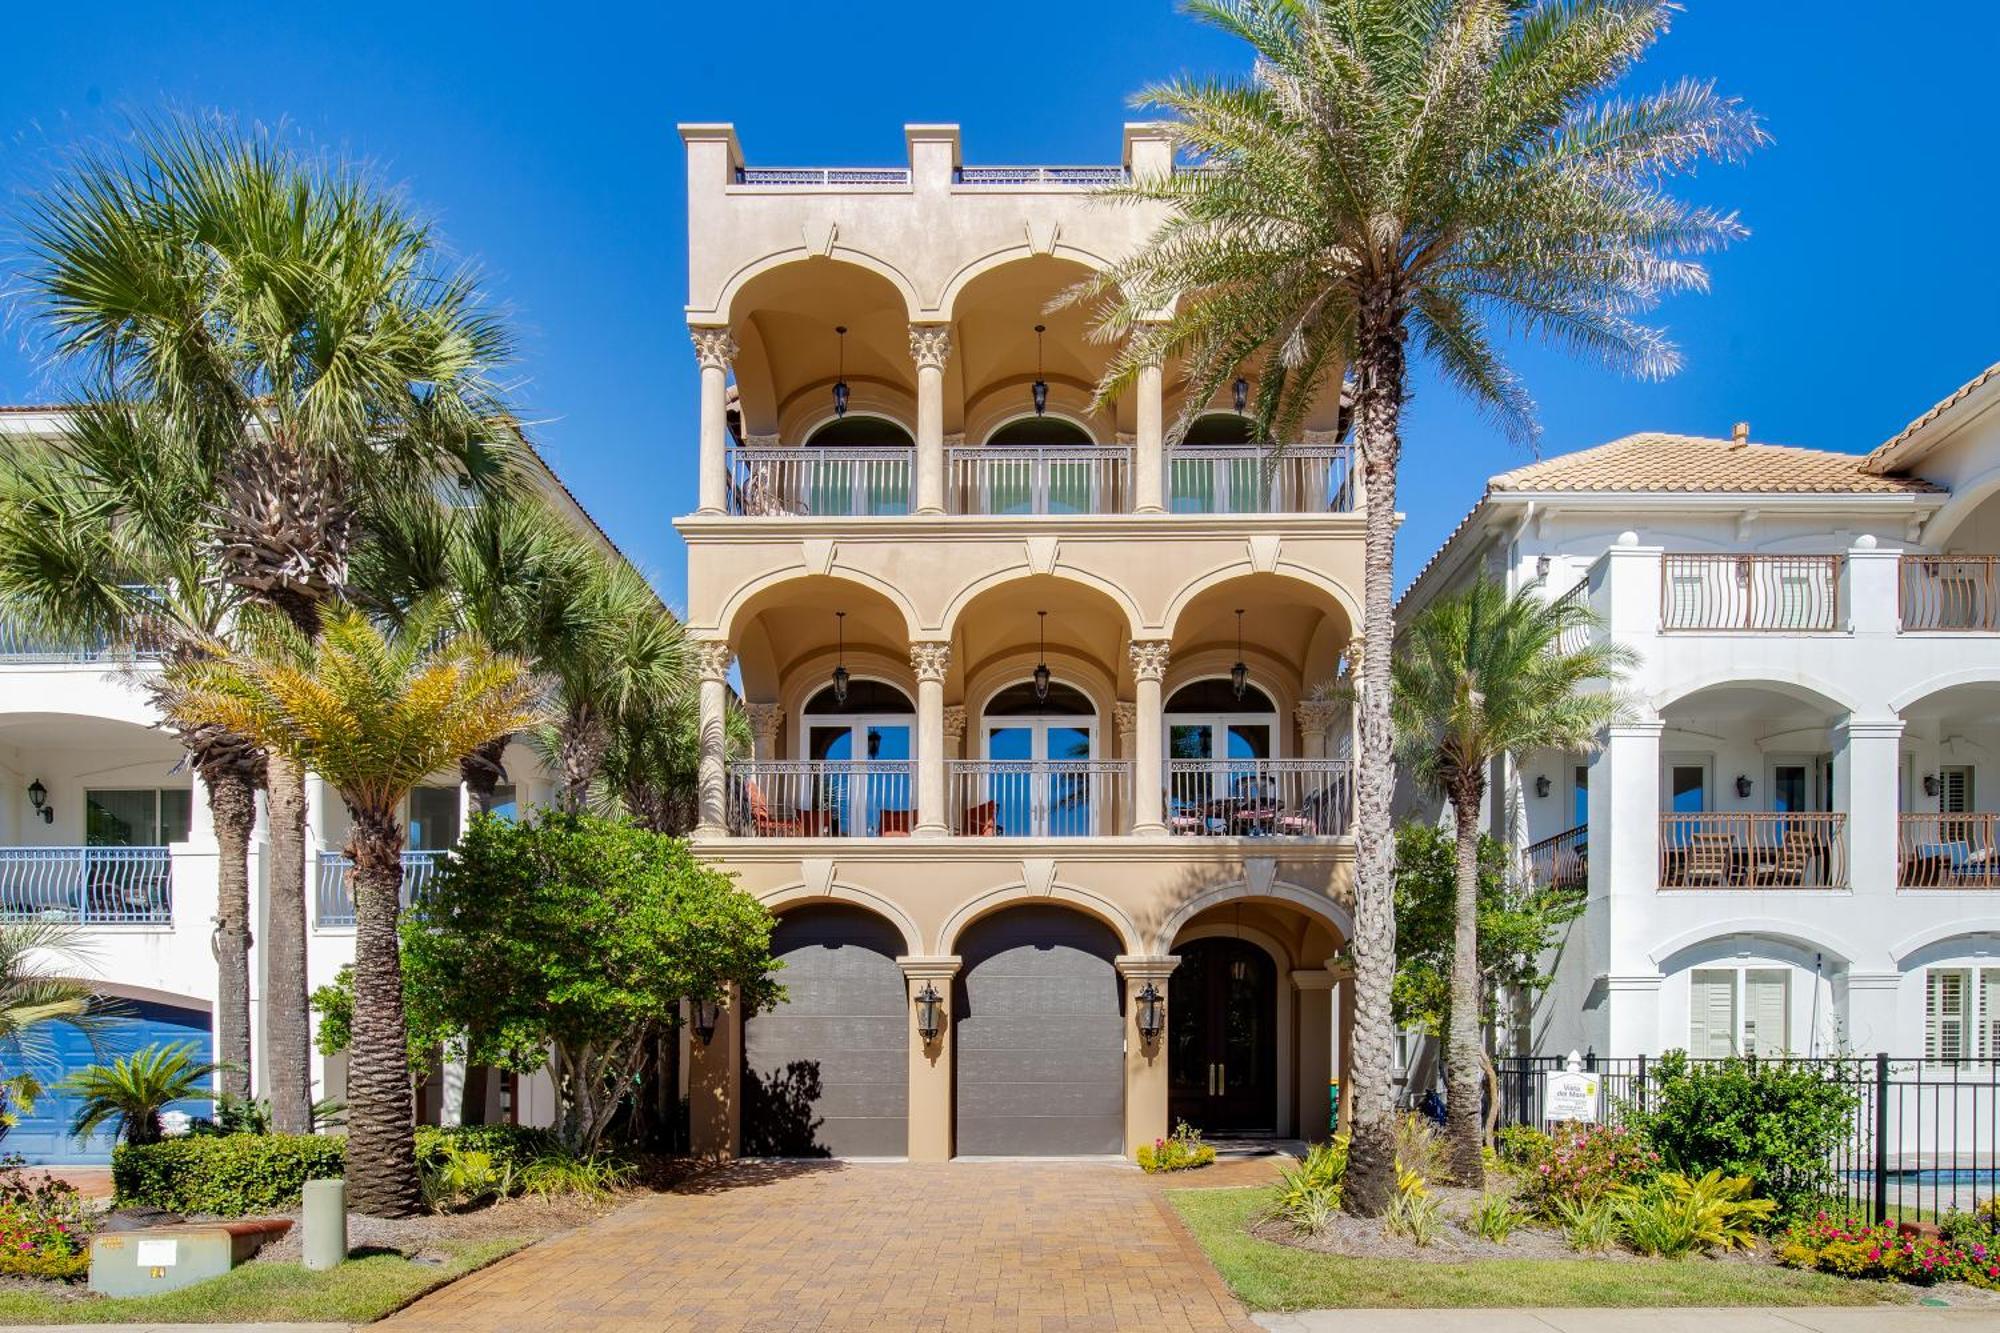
[
  {"x": 159, "y": 1253},
  {"x": 1569, "y": 1095}
]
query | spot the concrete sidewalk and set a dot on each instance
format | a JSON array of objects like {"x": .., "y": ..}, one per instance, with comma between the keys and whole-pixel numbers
[{"x": 1809, "y": 1319}]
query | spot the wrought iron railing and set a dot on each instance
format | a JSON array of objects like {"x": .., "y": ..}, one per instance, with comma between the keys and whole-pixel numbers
[
  {"x": 1020, "y": 177},
  {"x": 1024, "y": 479},
  {"x": 1577, "y": 637},
  {"x": 1753, "y": 850},
  {"x": 808, "y": 176},
  {"x": 1949, "y": 592},
  {"x": 1560, "y": 862},
  {"x": 119, "y": 886},
  {"x": 1258, "y": 798},
  {"x": 1245, "y": 479},
  {"x": 837, "y": 482},
  {"x": 1771, "y": 593},
  {"x": 1938, "y": 851},
  {"x": 1057, "y": 798},
  {"x": 333, "y": 897},
  {"x": 822, "y": 798}
]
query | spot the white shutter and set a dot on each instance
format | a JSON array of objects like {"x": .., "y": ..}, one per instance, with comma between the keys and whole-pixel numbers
[
  {"x": 1989, "y": 1014},
  {"x": 1954, "y": 789},
  {"x": 1712, "y": 1014},
  {"x": 1767, "y": 1011},
  {"x": 1945, "y": 995}
]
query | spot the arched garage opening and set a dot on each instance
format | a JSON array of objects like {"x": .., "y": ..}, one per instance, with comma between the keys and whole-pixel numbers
[
  {"x": 827, "y": 1073},
  {"x": 127, "y": 1026},
  {"x": 1040, "y": 1036}
]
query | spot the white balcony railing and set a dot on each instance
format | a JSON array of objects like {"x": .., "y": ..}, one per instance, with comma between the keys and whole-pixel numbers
[
  {"x": 1024, "y": 177},
  {"x": 123, "y": 886},
  {"x": 822, "y": 176},
  {"x": 835, "y": 482},
  {"x": 1020, "y": 479},
  {"x": 1025, "y": 798},
  {"x": 1768, "y": 593},
  {"x": 1244, "y": 479},
  {"x": 333, "y": 898},
  {"x": 822, "y": 798},
  {"x": 1258, "y": 798}
]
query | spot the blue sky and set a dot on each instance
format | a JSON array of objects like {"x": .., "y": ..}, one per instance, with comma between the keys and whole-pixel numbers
[{"x": 541, "y": 138}]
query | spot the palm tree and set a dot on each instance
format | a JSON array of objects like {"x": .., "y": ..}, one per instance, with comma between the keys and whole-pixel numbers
[
  {"x": 1453, "y": 170},
  {"x": 298, "y": 330},
  {"x": 134, "y": 1090},
  {"x": 102, "y": 540},
  {"x": 37, "y": 995},
  {"x": 374, "y": 713},
  {"x": 1481, "y": 674}
]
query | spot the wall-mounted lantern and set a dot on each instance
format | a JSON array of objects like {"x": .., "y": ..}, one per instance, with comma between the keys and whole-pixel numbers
[
  {"x": 1152, "y": 1013},
  {"x": 38, "y": 797},
  {"x": 1930, "y": 784},
  {"x": 707, "y": 1015},
  {"x": 1743, "y": 785},
  {"x": 930, "y": 1013},
  {"x": 1541, "y": 784}
]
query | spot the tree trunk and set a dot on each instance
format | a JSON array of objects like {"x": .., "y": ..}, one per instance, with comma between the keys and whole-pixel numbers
[
  {"x": 482, "y": 772},
  {"x": 1378, "y": 369},
  {"x": 381, "y": 1114},
  {"x": 232, "y": 801},
  {"x": 1464, "y": 1051},
  {"x": 287, "y": 1022}
]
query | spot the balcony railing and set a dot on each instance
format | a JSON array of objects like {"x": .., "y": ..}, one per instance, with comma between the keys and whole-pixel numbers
[
  {"x": 822, "y": 798},
  {"x": 1243, "y": 479},
  {"x": 1561, "y": 862},
  {"x": 1058, "y": 798},
  {"x": 1018, "y": 479},
  {"x": 1949, "y": 592},
  {"x": 809, "y": 176},
  {"x": 1021, "y": 177},
  {"x": 333, "y": 897},
  {"x": 1753, "y": 851},
  {"x": 1771, "y": 593},
  {"x": 836, "y": 482},
  {"x": 19, "y": 643},
  {"x": 1577, "y": 637},
  {"x": 92, "y": 886},
  {"x": 1948, "y": 851},
  {"x": 1257, "y": 798}
]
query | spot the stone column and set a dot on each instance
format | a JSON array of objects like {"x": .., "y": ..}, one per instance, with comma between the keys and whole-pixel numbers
[
  {"x": 954, "y": 731},
  {"x": 715, "y": 1086},
  {"x": 1149, "y": 669},
  {"x": 714, "y": 349},
  {"x": 930, "y": 660},
  {"x": 1149, "y": 448},
  {"x": 1315, "y": 716},
  {"x": 1866, "y": 759},
  {"x": 765, "y": 719},
  {"x": 930, "y": 348},
  {"x": 930, "y": 1061},
  {"x": 1318, "y": 1040},
  {"x": 1145, "y": 1061},
  {"x": 712, "y": 657}
]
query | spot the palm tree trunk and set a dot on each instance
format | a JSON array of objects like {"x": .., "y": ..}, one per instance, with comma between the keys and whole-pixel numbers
[
  {"x": 288, "y": 1029},
  {"x": 232, "y": 802},
  {"x": 1464, "y": 1052},
  {"x": 1379, "y": 370},
  {"x": 381, "y": 1115}
]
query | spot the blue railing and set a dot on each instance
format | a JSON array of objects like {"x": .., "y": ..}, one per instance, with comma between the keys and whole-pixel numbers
[
  {"x": 333, "y": 896},
  {"x": 122, "y": 886}
]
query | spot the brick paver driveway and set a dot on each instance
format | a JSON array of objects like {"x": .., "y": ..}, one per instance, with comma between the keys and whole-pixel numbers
[{"x": 967, "y": 1245}]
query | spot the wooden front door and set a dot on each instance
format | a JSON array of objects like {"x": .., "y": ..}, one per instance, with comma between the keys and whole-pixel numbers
[{"x": 1222, "y": 1020}]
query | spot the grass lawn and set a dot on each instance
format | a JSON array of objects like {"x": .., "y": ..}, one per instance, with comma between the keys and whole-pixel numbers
[
  {"x": 1266, "y": 1276},
  {"x": 355, "y": 1293}
]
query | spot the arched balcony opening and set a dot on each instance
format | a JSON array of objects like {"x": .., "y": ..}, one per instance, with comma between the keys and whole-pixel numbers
[{"x": 1948, "y": 788}]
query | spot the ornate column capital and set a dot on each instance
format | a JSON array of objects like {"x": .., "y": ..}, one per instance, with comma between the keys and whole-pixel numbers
[
  {"x": 712, "y": 658},
  {"x": 1149, "y": 658},
  {"x": 954, "y": 725},
  {"x": 930, "y": 659},
  {"x": 1126, "y": 717},
  {"x": 930, "y": 345},
  {"x": 714, "y": 348},
  {"x": 1317, "y": 714},
  {"x": 764, "y": 722}
]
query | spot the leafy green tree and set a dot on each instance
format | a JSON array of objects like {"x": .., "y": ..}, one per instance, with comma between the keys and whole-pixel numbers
[
  {"x": 566, "y": 942},
  {"x": 373, "y": 713},
  {"x": 38, "y": 995},
  {"x": 1483, "y": 673},
  {"x": 1457, "y": 171},
  {"x": 134, "y": 1090}
]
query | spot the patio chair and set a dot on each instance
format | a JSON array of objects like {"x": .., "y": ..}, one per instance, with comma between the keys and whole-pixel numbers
[
  {"x": 1789, "y": 863},
  {"x": 980, "y": 821},
  {"x": 895, "y": 823},
  {"x": 764, "y": 824},
  {"x": 1710, "y": 858}
]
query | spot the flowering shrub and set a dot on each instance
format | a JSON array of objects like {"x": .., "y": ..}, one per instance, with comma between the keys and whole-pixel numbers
[
  {"x": 44, "y": 1227},
  {"x": 1585, "y": 1163},
  {"x": 1849, "y": 1247},
  {"x": 1182, "y": 1152}
]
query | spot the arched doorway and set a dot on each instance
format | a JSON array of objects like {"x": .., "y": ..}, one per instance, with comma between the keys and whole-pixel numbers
[
  {"x": 1217, "y": 743},
  {"x": 1038, "y": 771},
  {"x": 1039, "y": 1036},
  {"x": 1222, "y": 1042},
  {"x": 827, "y": 1073},
  {"x": 861, "y": 749}
]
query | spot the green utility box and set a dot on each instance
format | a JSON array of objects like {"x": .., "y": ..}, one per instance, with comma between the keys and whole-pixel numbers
[{"x": 157, "y": 1259}]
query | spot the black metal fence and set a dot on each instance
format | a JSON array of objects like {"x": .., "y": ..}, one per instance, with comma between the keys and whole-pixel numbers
[{"x": 1924, "y": 1139}]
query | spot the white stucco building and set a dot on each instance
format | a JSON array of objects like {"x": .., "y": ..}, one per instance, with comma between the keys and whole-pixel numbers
[{"x": 1790, "y": 845}]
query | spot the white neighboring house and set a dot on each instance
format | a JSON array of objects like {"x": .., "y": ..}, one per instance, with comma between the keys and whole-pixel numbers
[
  {"x": 1791, "y": 845},
  {"x": 102, "y": 823}
]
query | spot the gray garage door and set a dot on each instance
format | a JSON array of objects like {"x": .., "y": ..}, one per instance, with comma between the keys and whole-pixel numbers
[
  {"x": 1041, "y": 1065},
  {"x": 827, "y": 1073}
]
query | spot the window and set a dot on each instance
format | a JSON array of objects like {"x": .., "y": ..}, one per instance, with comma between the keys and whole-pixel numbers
[
  {"x": 1688, "y": 785},
  {"x": 1961, "y": 1018},
  {"x": 137, "y": 817},
  {"x": 1734, "y": 1011},
  {"x": 1955, "y": 789},
  {"x": 433, "y": 819},
  {"x": 1579, "y": 813}
]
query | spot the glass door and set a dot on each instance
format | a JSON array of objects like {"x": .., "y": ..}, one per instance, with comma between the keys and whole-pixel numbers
[
  {"x": 1212, "y": 794},
  {"x": 1038, "y": 792},
  {"x": 1222, "y": 1047},
  {"x": 854, "y": 798}
]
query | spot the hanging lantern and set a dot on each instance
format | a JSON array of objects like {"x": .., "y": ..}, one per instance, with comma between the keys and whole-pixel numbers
[
  {"x": 1041, "y": 385},
  {"x": 930, "y": 1013},
  {"x": 1240, "y": 391},
  {"x": 1152, "y": 1013},
  {"x": 1042, "y": 674},
  {"x": 707, "y": 1015},
  {"x": 1239, "y": 675},
  {"x": 840, "y": 374},
  {"x": 840, "y": 660}
]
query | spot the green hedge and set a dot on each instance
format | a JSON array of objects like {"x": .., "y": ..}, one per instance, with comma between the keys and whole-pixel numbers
[
  {"x": 227, "y": 1176},
  {"x": 511, "y": 1146}
]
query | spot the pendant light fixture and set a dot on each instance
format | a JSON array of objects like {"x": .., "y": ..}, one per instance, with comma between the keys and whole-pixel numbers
[
  {"x": 840, "y": 661},
  {"x": 1042, "y": 674},
  {"x": 1240, "y": 391},
  {"x": 840, "y": 374},
  {"x": 1239, "y": 675},
  {"x": 1041, "y": 385}
]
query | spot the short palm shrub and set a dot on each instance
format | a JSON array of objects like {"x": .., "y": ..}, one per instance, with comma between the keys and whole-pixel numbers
[
  {"x": 224, "y": 1175},
  {"x": 1584, "y": 1164},
  {"x": 1673, "y": 1216},
  {"x": 1308, "y": 1195},
  {"x": 1495, "y": 1217},
  {"x": 1183, "y": 1150},
  {"x": 133, "y": 1091},
  {"x": 459, "y": 1177}
]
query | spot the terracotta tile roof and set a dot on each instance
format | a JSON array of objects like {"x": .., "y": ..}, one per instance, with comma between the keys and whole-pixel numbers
[
  {"x": 1879, "y": 459},
  {"x": 1693, "y": 464}
]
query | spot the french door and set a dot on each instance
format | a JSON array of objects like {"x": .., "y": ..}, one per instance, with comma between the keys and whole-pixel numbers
[
  {"x": 1038, "y": 774},
  {"x": 1213, "y": 761},
  {"x": 864, "y": 770}
]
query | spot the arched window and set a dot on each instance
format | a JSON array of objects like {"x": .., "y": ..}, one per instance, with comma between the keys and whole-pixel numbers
[
  {"x": 1057, "y": 432},
  {"x": 1217, "y": 745},
  {"x": 860, "y": 432},
  {"x": 866, "y": 745},
  {"x": 1037, "y": 774},
  {"x": 1217, "y": 428}
]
